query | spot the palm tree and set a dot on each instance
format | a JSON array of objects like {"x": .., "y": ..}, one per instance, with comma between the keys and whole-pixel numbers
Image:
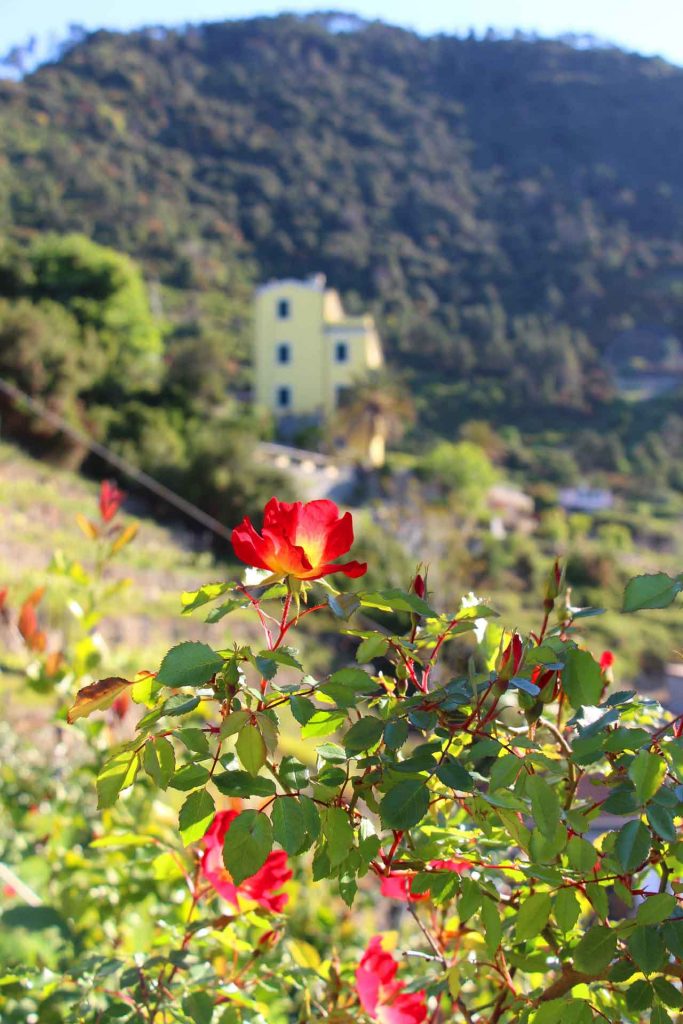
[{"x": 375, "y": 411}]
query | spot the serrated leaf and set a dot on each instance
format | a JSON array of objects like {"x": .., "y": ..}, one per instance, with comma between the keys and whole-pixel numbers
[
  {"x": 633, "y": 845},
  {"x": 96, "y": 697},
  {"x": 343, "y": 606},
  {"x": 338, "y": 832},
  {"x": 639, "y": 995},
  {"x": 189, "y": 776},
  {"x": 251, "y": 748},
  {"x": 545, "y": 805},
  {"x": 372, "y": 647},
  {"x": 656, "y": 908},
  {"x": 595, "y": 950},
  {"x": 532, "y": 916},
  {"x": 189, "y": 664},
  {"x": 242, "y": 784},
  {"x": 672, "y": 933},
  {"x": 288, "y": 823},
  {"x": 452, "y": 774},
  {"x": 117, "y": 774},
  {"x": 323, "y": 723},
  {"x": 567, "y": 909},
  {"x": 493, "y": 927},
  {"x": 363, "y": 734},
  {"x": 199, "y": 1007},
  {"x": 646, "y": 946},
  {"x": 396, "y": 600},
  {"x": 581, "y": 855},
  {"x": 347, "y": 685},
  {"x": 405, "y": 805},
  {"x": 159, "y": 761},
  {"x": 247, "y": 844},
  {"x": 582, "y": 679},
  {"x": 192, "y": 599},
  {"x": 668, "y": 993},
  {"x": 651, "y": 591},
  {"x": 196, "y": 815},
  {"x": 647, "y": 772}
]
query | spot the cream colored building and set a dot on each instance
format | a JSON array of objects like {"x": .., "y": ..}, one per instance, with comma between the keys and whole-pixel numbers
[{"x": 307, "y": 350}]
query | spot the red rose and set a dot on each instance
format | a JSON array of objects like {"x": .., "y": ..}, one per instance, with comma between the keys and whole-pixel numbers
[
  {"x": 298, "y": 540},
  {"x": 381, "y": 995},
  {"x": 261, "y": 888},
  {"x": 110, "y": 500}
]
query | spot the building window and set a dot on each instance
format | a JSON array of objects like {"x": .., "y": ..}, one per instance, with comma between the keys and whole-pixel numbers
[
  {"x": 284, "y": 352},
  {"x": 341, "y": 352},
  {"x": 284, "y": 398},
  {"x": 283, "y": 309}
]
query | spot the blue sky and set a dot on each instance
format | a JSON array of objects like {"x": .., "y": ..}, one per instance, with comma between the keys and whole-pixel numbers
[{"x": 653, "y": 27}]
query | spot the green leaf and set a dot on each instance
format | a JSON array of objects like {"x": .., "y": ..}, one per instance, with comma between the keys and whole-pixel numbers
[
  {"x": 372, "y": 647},
  {"x": 281, "y": 656},
  {"x": 672, "y": 933},
  {"x": 504, "y": 772},
  {"x": 656, "y": 908},
  {"x": 582, "y": 680},
  {"x": 567, "y": 1010},
  {"x": 192, "y": 599},
  {"x": 396, "y": 600},
  {"x": 470, "y": 898},
  {"x": 396, "y": 733},
  {"x": 647, "y": 772},
  {"x": 595, "y": 950},
  {"x": 251, "y": 748},
  {"x": 545, "y": 805},
  {"x": 532, "y": 916},
  {"x": 452, "y": 774},
  {"x": 347, "y": 685},
  {"x": 323, "y": 723},
  {"x": 633, "y": 845},
  {"x": 660, "y": 1016},
  {"x": 493, "y": 927},
  {"x": 639, "y": 995},
  {"x": 195, "y": 740},
  {"x": 405, "y": 805},
  {"x": 247, "y": 844},
  {"x": 567, "y": 909},
  {"x": 159, "y": 761},
  {"x": 178, "y": 704},
  {"x": 668, "y": 993},
  {"x": 662, "y": 821},
  {"x": 216, "y": 614},
  {"x": 196, "y": 815},
  {"x": 237, "y": 783},
  {"x": 189, "y": 776},
  {"x": 343, "y": 605},
  {"x": 653, "y": 591},
  {"x": 581, "y": 855},
  {"x": 189, "y": 664},
  {"x": 338, "y": 832},
  {"x": 363, "y": 734},
  {"x": 117, "y": 774},
  {"x": 289, "y": 829},
  {"x": 646, "y": 946},
  {"x": 199, "y": 1007}
]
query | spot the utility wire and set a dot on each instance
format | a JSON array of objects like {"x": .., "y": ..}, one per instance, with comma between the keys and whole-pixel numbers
[{"x": 19, "y": 397}]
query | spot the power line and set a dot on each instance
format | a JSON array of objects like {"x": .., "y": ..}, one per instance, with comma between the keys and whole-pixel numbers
[{"x": 19, "y": 397}]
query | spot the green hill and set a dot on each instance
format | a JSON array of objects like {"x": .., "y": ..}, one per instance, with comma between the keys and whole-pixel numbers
[{"x": 512, "y": 209}]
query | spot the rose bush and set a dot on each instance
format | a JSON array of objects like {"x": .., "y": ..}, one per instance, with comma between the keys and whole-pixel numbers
[{"x": 396, "y": 841}]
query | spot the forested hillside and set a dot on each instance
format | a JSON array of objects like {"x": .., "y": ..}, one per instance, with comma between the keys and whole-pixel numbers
[{"x": 513, "y": 210}]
